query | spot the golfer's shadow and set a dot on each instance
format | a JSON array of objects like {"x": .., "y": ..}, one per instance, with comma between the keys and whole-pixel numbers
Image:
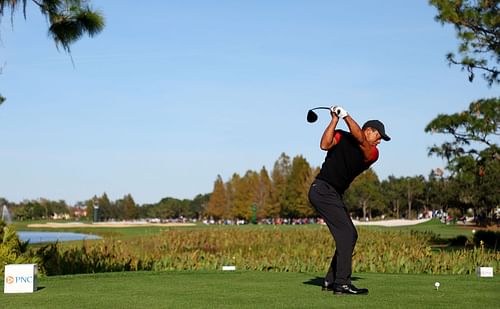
[{"x": 318, "y": 281}]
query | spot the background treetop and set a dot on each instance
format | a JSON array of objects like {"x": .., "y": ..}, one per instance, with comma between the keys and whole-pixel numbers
[{"x": 477, "y": 24}]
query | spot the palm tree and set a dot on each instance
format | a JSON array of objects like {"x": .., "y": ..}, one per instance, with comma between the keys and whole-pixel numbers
[{"x": 68, "y": 20}]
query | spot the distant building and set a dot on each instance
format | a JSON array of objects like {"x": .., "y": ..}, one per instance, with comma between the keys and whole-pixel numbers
[
  {"x": 79, "y": 212},
  {"x": 57, "y": 216}
]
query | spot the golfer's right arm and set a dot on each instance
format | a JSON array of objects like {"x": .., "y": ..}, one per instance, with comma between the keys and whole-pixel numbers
[{"x": 327, "y": 140}]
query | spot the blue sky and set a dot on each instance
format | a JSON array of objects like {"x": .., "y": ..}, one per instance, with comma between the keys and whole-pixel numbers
[{"x": 173, "y": 93}]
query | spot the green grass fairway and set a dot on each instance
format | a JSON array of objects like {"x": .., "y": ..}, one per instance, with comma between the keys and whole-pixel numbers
[
  {"x": 441, "y": 230},
  {"x": 253, "y": 290},
  {"x": 438, "y": 228}
]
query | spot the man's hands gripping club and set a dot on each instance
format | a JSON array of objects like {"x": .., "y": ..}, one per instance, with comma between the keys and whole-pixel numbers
[
  {"x": 339, "y": 111},
  {"x": 328, "y": 140}
]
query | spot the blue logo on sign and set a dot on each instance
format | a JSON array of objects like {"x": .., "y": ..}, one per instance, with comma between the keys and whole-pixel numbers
[{"x": 24, "y": 279}]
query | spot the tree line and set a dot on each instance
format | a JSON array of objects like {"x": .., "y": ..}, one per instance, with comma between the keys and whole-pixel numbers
[
  {"x": 284, "y": 194},
  {"x": 119, "y": 210}
]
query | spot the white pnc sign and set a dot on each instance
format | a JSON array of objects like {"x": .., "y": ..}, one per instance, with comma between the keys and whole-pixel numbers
[
  {"x": 20, "y": 278},
  {"x": 484, "y": 271}
]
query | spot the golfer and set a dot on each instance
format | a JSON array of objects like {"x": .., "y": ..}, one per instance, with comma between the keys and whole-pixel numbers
[{"x": 348, "y": 155}]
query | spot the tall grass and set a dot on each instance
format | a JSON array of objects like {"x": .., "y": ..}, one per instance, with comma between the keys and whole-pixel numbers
[{"x": 269, "y": 249}]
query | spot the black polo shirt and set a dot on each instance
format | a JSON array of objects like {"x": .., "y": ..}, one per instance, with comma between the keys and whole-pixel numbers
[{"x": 344, "y": 161}]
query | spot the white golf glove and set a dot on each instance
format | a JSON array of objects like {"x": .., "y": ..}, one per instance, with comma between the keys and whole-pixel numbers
[{"x": 340, "y": 111}]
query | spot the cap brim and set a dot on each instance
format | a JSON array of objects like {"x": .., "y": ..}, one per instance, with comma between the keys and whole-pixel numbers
[{"x": 386, "y": 138}]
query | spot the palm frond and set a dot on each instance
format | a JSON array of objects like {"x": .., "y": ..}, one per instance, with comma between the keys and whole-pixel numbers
[
  {"x": 67, "y": 29},
  {"x": 69, "y": 20},
  {"x": 91, "y": 21},
  {"x": 12, "y": 5}
]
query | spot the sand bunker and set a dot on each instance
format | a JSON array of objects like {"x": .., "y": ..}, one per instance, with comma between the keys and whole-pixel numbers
[{"x": 395, "y": 222}]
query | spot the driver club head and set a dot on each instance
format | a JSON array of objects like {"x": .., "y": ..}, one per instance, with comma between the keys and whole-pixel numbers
[{"x": 311, "y": 116}]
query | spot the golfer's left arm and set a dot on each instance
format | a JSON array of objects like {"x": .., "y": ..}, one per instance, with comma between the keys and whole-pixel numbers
[{"x": 328, "y": 137}]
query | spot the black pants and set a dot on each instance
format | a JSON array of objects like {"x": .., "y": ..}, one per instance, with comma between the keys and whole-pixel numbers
[{"x": 330, "y": 206}]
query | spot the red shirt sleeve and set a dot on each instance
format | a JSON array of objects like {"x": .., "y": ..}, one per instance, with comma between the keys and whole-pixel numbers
[
  {"x": 373, "y": 156},
  {"x": 337, "y": 136}
]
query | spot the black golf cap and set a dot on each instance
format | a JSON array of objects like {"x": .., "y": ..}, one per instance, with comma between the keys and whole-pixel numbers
[{"x": 379, "y": 126}]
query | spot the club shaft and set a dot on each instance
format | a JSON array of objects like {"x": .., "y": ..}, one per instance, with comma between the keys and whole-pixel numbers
[{"x": 321, "y": 107}]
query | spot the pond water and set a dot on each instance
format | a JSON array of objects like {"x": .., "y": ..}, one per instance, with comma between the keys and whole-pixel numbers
[{"x": 42, "y": 237}]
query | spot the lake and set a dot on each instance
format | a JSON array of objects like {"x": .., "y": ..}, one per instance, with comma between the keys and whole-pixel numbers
[{"x": 42, "y": 237}]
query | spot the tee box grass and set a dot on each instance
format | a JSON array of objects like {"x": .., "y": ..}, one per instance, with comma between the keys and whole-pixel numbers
[{"x": 246, "y": 289}]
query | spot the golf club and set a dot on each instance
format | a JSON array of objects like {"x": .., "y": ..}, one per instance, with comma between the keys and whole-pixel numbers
[{"x": 312, "y": 116}]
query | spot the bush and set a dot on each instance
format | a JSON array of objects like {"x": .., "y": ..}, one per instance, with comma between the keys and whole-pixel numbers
[
  {"x": 459, "y": 241},
  {"x": 12, "y": 249},
  {"x": 93, "y": 259},
  {"x": 488, "y": 239}
]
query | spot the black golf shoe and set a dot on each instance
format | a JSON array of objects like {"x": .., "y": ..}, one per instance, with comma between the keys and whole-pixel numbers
[{"x": 348, "y": 289}]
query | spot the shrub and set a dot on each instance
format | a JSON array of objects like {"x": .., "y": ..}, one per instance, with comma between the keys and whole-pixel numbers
[
  {"x": 12, "y": 249},
  {"x": 459, "y": 241},
  {"x": 489, "y": 239}
]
